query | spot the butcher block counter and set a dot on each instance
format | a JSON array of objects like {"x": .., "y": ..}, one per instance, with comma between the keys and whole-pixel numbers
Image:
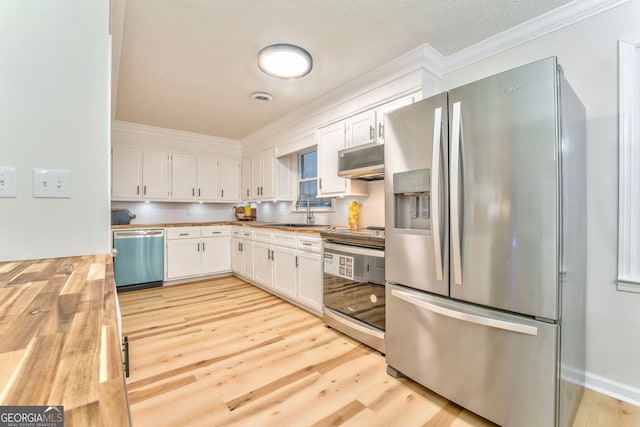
[{"x": 59, "y": 339}]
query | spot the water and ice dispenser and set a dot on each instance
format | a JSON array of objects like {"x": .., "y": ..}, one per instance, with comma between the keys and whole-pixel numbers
[{"x": 412, "y": 199}]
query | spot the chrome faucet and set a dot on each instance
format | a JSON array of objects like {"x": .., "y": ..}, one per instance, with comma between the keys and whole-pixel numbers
[{"x": 309, "y": 213}]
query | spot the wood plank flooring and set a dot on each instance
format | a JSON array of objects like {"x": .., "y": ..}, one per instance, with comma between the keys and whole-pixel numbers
[{"x": 225, "y": 353}]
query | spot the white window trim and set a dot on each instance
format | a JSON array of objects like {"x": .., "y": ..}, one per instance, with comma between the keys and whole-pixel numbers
[
  {"x": 629, "y": 176},
  {"x": 296, "y": 167}
]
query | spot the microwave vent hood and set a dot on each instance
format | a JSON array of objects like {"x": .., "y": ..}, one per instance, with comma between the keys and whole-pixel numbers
[{"x": 364, "y": 162}]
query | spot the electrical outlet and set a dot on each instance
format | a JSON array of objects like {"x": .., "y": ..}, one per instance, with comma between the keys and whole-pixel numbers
[
  {"x": 8, "y": 187},
  {"x": 51, "y": 183}
]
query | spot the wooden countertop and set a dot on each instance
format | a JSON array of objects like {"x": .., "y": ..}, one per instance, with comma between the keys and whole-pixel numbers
[
  {"x": 312, "y": 230},
  {"x": 59, "y": 339}
]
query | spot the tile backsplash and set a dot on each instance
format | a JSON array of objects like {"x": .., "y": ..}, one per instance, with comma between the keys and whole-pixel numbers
[{"x": 371, "y": 211}]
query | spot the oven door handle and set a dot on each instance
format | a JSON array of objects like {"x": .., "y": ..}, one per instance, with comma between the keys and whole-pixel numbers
[{"x": 354, "y": 250}]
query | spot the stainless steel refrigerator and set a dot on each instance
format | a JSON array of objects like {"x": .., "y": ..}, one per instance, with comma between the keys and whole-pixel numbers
[{"x": 485, "y": 245}]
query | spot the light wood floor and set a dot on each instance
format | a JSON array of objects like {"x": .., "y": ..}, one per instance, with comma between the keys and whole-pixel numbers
[{"x": 223, "y": 352}]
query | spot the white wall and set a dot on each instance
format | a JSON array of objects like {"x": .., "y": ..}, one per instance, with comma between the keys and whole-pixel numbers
[
  {"x": 54, "y": 114},
  {"x": 588, "y": 53}
]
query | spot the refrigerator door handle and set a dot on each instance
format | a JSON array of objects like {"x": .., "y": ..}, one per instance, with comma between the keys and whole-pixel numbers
[
  {"x": 456, "y": 136},
  {"x": 466, "y": 317},
  {"x": 435, "y": 190}
]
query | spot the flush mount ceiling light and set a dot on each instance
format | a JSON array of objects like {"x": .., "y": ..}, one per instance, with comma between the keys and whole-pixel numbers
[{"x": 285, "y": 61}]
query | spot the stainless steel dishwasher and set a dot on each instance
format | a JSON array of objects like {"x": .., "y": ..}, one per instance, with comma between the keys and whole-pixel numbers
[{"x": 139, "y": 260}]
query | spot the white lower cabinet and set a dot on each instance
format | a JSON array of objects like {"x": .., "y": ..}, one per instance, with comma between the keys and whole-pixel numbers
[
  {"x": 285, "y": 265},
  {"x": 288, "y": 264},
  {"x": 310, "y": 279},
  {"x": 263, "y": 264},
  {"x": 197, "y": 251}
]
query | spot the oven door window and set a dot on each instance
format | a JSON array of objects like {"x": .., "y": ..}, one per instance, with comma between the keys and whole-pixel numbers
[{"x": 354, "y": 285}]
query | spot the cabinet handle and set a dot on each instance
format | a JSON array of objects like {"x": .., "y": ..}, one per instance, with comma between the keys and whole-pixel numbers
[
  {"x": 240, "y": 247},
  {"x": 380, "y": 130},
  {"x": 198, "y": 246},
  {"x": 202, "y": 246},
  {"x": 193, "y": 192},
  {"x": 138, "y": 190},
  {"x": 183, "y": 234},
  {"x": 371, "y": 133},
  {"x": 320, "y": 182},
  {"x": 144, "y": 191},
  {"x": 268, "y": 254},
  {"x": 222, "y": 193},
  {"x": 247, "y": 192},
  {"x": 247, "y": 234},
  {"x": 306, "y": 243},
  {"x": 198, "y": 192},
  {"x": 216, "y": 232},
  {"x": 296, "y": 261},
  {"x": 273, "y": 256}
]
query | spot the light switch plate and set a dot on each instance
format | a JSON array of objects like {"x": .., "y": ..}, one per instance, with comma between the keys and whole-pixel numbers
[
  {"x": 8, "y": 186},
  {"x": 51, "y": 183}
]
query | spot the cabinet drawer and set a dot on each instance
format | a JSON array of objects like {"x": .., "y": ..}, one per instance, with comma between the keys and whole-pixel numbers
[
  {"x": 309, "y": 244},
  {"x": 216, "y": 231},
  {"x": 182, "y": 233},
  {"x": 263, "y": 236},
  {"x": 246, "y": 233},
  {"x": 285, "y": 239}
]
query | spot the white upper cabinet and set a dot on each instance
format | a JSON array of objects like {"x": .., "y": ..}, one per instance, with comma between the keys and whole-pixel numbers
[
  {"x": 139, "y": 174},
  {"x": 155, "y": 175},
  {"x": 246, "y": 179},
  {"x": 229, "y": 171},
  {"x": 208, "y": 182},
  {"x": 382, "y": 111},
  {"x": 126, "y": 173},
  {"x": 361, "y": 128},
  {"x": 331, "y": 139},
  {"x": 262, "y": 175},
  {"x": 143, "y": 174},
  {"x": 183, "y": 177}
]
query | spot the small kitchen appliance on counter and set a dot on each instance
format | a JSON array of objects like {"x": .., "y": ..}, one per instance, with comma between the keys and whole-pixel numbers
[
  {"x": 120, "y": 216},
  {"x": 353, "y": 283}
]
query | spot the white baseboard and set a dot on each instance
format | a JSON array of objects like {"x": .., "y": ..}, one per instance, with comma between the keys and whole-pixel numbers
[{"x": 617, "y": 390}]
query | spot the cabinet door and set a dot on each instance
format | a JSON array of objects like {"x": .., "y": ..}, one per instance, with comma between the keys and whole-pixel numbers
[
  {"x": 263, "y": 265},
  {"x": 216, "y": 257},
  {"x": 229, "y": 180},
  {"x": 155, "y": 174},
  {"x": 126, "y": 173},
  {"x": 247, "y": 259},
  {"x": 389, "y": 107},
  {"x": 267, "y": 185},
  {"x": 247, "y": 189},
  {"x": 330, "y": 140},
  {"x": 361, "y": 128},
  {"x": 207, "y": 179},
  {"x": 183, "y": 258},
  {"x": 256, "y": 176},
  {"x": 183, "y": 177},
  {"x": 310, "y": 280},
  {"x": 285, "y": 271},
  {"x": 236, "y": 256}
]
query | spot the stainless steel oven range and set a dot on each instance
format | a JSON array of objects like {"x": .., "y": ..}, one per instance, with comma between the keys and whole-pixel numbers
[{"x": 354, "y": 284}]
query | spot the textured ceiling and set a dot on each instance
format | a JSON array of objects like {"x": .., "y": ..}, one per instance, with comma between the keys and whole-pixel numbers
[{"x": 191, "y": 64}]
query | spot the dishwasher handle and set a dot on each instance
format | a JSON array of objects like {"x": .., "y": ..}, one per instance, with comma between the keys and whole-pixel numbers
[{"x": 137, "y": 233}]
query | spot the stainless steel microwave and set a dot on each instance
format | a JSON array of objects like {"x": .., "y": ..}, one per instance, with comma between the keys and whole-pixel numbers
[{"x": 364, "y": 162}]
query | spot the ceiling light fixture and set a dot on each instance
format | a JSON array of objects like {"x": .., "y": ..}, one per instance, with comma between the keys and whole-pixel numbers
[{"x": 285, "y": 61}]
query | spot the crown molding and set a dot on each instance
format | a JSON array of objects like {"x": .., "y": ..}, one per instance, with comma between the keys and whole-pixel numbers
[
  {"x": 542, "y": 25},
  {"x": 135, "y": 133},
  {"x": 423, "y": 59}
]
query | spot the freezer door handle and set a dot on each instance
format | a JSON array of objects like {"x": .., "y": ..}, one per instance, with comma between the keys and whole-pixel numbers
[
  {"x": 466, "y": 317},
  {"x": 456, "y": 142},
  {"x": 435, "y": 190}
]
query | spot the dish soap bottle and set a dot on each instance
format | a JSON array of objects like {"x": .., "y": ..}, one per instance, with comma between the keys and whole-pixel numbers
[{"x": 247, "y": 211}]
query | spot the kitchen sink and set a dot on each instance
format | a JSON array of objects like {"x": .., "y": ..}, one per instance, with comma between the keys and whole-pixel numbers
[{"x": 294, "y": 225}]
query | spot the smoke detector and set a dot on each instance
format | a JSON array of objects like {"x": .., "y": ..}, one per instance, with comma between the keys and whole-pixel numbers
[{"x": 261, "y": 97}]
